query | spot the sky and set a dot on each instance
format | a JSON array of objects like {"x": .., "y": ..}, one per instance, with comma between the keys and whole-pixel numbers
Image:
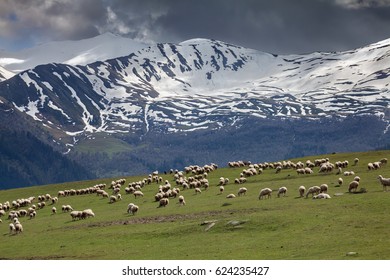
[{"x": 275, "y": 26}]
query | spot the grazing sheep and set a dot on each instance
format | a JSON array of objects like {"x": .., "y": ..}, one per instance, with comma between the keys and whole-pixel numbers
[
  {"x": 197, "y": 190},
  {"x": 87, "y": 213},
  {"x": 54, "y": 210},
  {"x": 321, "y": 196},
  {"x": 340, "y": 181},
  {"x": 355, "y": 161},
  {"x": 324, "y": 188},
  {"x": 182, "y": 202},
  {"x": 12, "y": 228},
  {"x": 353, "y": 186},
  {"x": 137, "y": 194},
  {"x": 221, "y": 189},
  {"x": 66, "y": 208},
  {"x": 357, "y": 179},
  {"x": 242, "y": 191},
  {"x": 266, "y": 192},
  {"x": 282, "y": 191},
  {"x": 132, "y": 208},
  {"x": 232, "y": 195},
  {"x": 385, "y": 182},
  {"x": 313, "y": 190},
  {"x": 163, "y": 202},
  {"x": 301, "y": 191},
  {"x": 113, "y": 199},
  {"x": 76, "y": 214}
]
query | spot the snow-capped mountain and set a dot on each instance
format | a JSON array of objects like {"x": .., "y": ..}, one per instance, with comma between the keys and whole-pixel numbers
[
  {"x": 81, "y": 52},
  {"x": 201, "y": 84},
  {"x": 198, "y": 87},
  {"x": 5, "y": 74}
]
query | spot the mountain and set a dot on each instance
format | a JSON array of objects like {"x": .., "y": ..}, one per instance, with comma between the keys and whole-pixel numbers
[
  {"x": 81, "y": 52},
  {"x": 220, "y": 100},
  {"x": 5, "y": 74}
]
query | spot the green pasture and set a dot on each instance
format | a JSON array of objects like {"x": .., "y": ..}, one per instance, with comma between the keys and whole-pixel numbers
[{"x": 278, "y": 228}]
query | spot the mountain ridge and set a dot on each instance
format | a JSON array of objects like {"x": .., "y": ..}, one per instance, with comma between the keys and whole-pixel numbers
[{"x": 200, "y": 87}]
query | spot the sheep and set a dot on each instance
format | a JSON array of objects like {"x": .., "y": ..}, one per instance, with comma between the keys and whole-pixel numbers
[
  {"x": 357, "y": 179},
  {"x": 370, "y": 166},
  {"x": 353, "y": 186},
  {"x": 76, "y": 214},
  {"x": 12, "y": 228},
  {"x": 221, "y": 189},
  {"x": 232, "y": 195},
  {"x": 32, "y": 214},
  {"x": 197, "y": 190},
  {"x": 54, "y": 200},
  {"x": 163, "y": 202},
  {"x": 113, "y": 199},
  {"x": 18, "y": 227},
  {"x": 385, "y": 182},
  {"x": 54, "y": 210},
  {"x": 355, "y": 161},
  {"x": 301, "y": 191},
  {"x": 321, "y": 196},
  {"x": 1, "y": 221},
  {"x": 242, "y": 191},
  {"x": 132, "y": 208},
  {"x": 324, "y": 188},
  {"x": 182, "y": 202},
  {"x": 313, "y": 190},
  {"x": 137, "y": 194},
  {"x": 87, "y": 213},
  {"x": 266, "y": 192},
  {"x": 282, "y": 191},
  {"x": 66, "y": 208},
  {"x": 340, "y": 181}
]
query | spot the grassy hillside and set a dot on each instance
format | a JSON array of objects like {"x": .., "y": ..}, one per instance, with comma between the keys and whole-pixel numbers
[{"x": 278, "y": 228}]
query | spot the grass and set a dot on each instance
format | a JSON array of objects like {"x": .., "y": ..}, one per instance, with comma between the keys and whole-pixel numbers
[
  {"x": 287, "y": 228},
  {"x": 109, "y": 145}
]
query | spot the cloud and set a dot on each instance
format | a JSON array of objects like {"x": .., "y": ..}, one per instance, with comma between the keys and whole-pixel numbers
[
  {"x": 359, "y": 4},
  {"x": 278, "y": 26}
]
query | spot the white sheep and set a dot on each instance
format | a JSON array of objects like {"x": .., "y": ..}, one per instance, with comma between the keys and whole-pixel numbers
[
  {"x": 113, "y": 199},
  {"x": 87, "y": 213},
  {"x": 340, "y": 181},
  {"x": 137, "y": 194},
  {"x": 197, "y": 190},
  {"x": 18, "y": 227},
  {"x": 163, "y": 202},
  {"x": 324, "y": 188},
  {"x": 313, "y": 190},
  {"x": 321, "y": 196},
  {"x": 266, "y": 192},
  {"x": 76, "y": 214},
  {"x": 385, "y": 182},
  {"x": 12, "y": 228},
  {"x": 282, "y": 191},
  {"x": 231, "y": 195},
  {"x": 353, "y": 186},
  {"x": 182, "y": 202},
  {"x": 242, "y": 191},
  {"x": 301, "y": 191},
  {"x": 54, "y": 210},
  {"x": 132, "y": 208},
  {"x": 221, "y": 189}
]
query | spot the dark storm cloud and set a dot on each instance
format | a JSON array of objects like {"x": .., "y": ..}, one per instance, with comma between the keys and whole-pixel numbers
[{"x": 278, "y": 26}]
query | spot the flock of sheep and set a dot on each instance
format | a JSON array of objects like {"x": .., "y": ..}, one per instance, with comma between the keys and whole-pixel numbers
[{"x": 193, "y": 178}]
